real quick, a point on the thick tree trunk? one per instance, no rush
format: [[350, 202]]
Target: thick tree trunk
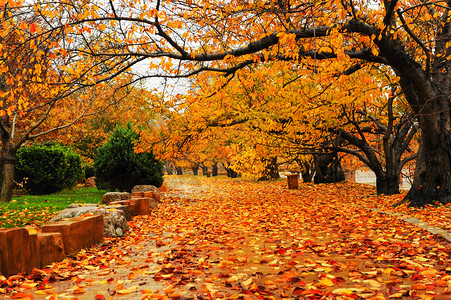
[[387, 185], [231, 173], [328, 169], [7, 175], [307, 169], [432, 179], [214, 169]]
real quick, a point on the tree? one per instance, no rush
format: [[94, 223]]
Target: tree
[[42, 89], [118, 166], [411, 38], [117, 106]]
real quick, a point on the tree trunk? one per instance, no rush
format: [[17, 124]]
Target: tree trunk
[[432, 179], [307, 168], [214, 169], [7, 176], [195, 169], [231, 173], [328, 169], [204, 170], [271, 169], [387, 185], [307, 176], [168, 168], [179, 170]]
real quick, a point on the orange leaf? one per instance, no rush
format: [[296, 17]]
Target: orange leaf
[[79, 291], [32, 28], [419, 286]]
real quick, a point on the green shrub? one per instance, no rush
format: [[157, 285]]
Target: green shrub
[[89, 171], [46, 169], [117, 166]]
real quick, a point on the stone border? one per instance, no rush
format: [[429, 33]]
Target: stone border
[[24, 248]]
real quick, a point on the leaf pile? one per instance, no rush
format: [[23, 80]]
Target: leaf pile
[[234, 239]]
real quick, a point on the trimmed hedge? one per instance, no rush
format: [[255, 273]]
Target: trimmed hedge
[[47, 169], [118, 167]]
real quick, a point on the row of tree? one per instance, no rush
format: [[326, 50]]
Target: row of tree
[[273, 111]]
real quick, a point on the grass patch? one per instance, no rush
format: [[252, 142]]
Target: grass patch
[[37, 210]]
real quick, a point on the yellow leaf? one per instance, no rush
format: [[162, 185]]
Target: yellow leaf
[[124, 292], [341, 292], [326, 282], [389, 271]]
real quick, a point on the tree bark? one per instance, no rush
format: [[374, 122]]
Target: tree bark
[[179, 170], [195, 169], [387, 185], [328, 169], [204, 170], [168, 167], [8, 161], [214, 169], [307, 168], [432, 179]]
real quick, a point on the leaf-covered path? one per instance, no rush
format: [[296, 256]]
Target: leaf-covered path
[[216, 238]]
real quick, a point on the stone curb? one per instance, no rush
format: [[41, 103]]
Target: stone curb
[[417, 222], [414, 221]]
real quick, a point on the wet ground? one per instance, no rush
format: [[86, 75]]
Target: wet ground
[[232, 239]]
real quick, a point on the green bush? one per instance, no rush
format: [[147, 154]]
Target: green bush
[[89, 171], [46, 169], [118, 167]]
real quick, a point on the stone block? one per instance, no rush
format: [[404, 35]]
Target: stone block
[[124, 209], [149, 194], [143, 205], [78, 232], [50, 248], [133, 207], [137, 194], [16, 254], [114, 196], [121, 202]]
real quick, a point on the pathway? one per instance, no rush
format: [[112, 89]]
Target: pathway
[[231, 239]]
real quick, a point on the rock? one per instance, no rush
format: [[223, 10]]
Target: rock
[[50, 247], [112, 218], [17, 252], [90, 182], [146, 188], [78, 232], [123, 206], [115, 196], [119, 232], [143, 205]]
